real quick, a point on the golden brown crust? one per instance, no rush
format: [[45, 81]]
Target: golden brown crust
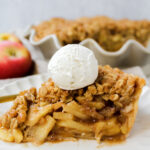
[[109, 33], [106, 109]]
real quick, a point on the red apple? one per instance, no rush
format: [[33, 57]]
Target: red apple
[[8, 37], [15, 60]]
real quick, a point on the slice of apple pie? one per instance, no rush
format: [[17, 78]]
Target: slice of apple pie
[[105, 110]]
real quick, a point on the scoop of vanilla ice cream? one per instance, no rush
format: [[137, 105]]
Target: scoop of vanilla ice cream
[[73, 67]]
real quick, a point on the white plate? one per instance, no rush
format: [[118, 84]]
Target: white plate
[[138, 139]]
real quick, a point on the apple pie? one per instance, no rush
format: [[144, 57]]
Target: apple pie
[[109, 33], [104, 110]]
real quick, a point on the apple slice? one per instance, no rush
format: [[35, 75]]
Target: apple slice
[[15, 60]]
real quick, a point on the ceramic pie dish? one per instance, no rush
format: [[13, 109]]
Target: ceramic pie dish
[[132, 53]]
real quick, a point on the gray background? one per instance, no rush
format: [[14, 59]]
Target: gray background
[[20, 13]]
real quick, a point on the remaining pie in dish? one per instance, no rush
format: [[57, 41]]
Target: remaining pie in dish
[[105, 110], [109, 33]]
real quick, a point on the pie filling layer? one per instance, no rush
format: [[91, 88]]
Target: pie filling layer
[[105, 110]]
